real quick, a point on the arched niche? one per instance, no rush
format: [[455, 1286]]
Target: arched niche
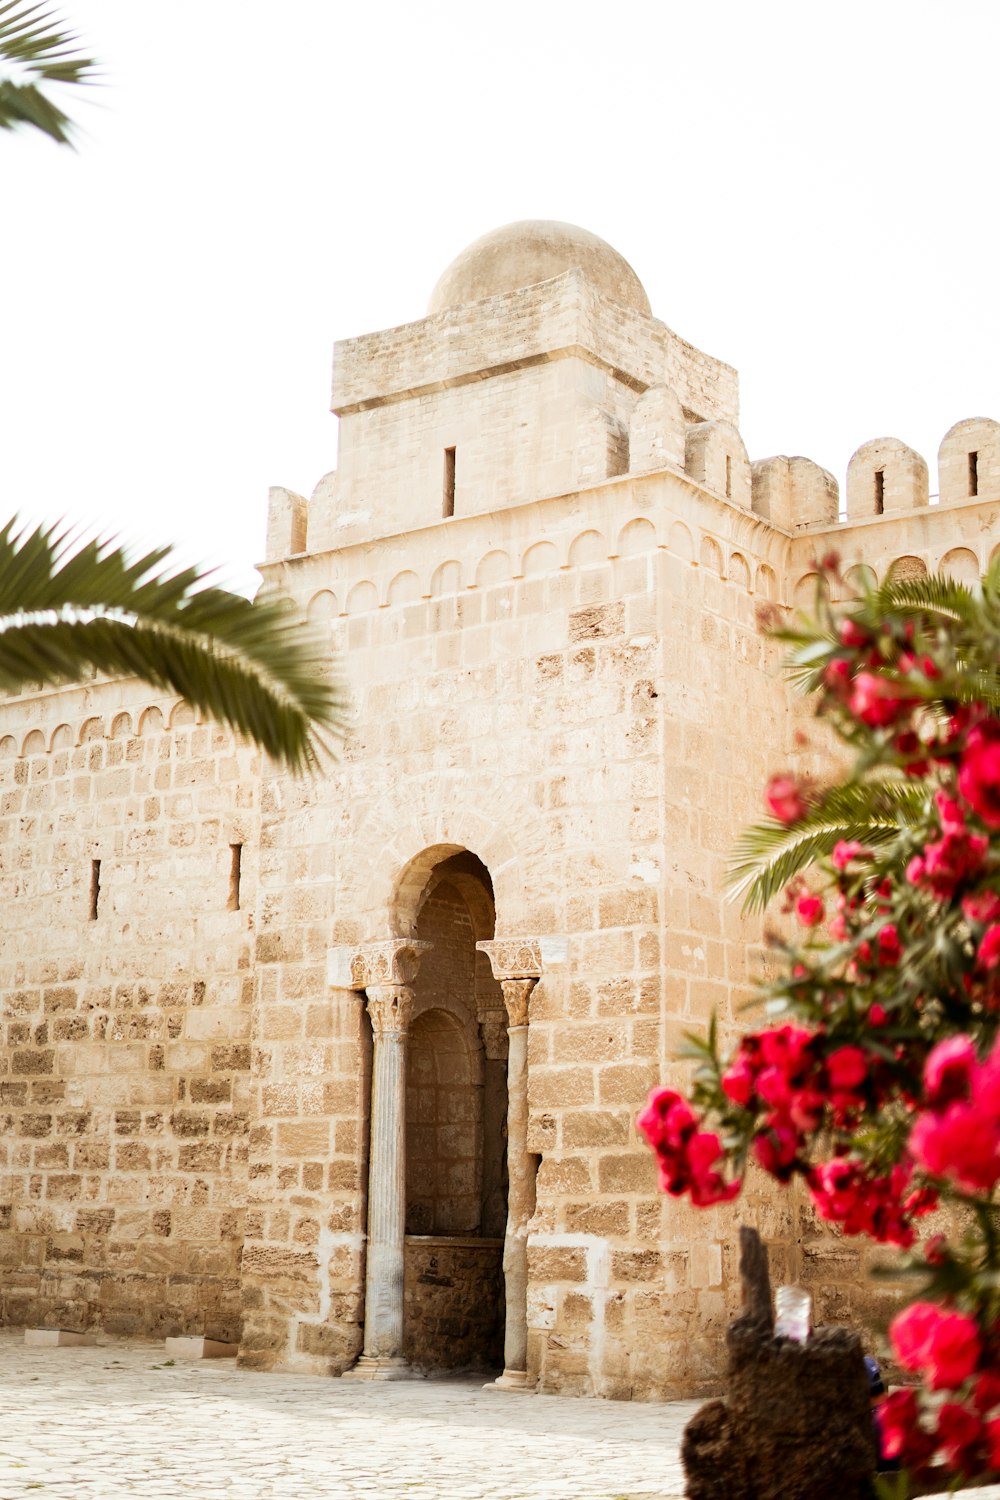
[[636, 538], [542, 557], [680, 542], [767, 582], [446, 579], [739, 571], [151, 721], [34, 743], [322, 607], [960, 563], [906, 569], [363, 597], [587, 549], [493, 568], [121, 726], [62, 738], [404, 588], [711, 556]]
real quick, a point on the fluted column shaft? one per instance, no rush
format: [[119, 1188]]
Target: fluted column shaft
[[390, 1007], [520, 1188]]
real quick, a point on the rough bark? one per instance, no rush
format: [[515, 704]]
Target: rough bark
[[796, 1422]]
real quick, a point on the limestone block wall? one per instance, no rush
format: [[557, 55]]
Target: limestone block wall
[[124, 1013], [575, 690], [545, 363]]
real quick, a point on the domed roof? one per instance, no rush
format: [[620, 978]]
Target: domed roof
[[533, 250]]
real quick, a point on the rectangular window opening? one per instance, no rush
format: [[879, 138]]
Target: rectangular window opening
[[729, 477], [235, 863], [95, 887], [879, 492], [448, 506], [973, 473]]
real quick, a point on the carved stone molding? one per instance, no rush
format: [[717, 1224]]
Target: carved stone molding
[[390, 1007], [493, 1024], [356, 966], [516, 994], [514, 958]]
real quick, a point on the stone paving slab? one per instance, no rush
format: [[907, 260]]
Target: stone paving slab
[[117, 1420]]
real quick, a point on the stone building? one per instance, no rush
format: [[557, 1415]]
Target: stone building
[[345, 1069]]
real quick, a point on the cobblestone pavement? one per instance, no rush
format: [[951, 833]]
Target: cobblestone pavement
[[116, 1420]]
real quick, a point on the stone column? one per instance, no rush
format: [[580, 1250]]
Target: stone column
[[390, 1007], [520, 1188], [516, 963], [384, 970]]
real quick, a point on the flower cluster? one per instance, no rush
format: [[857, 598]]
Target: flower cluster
[[957, 1136], [847, 1191], [687, 1156], [878, 1078], [946, 1348]]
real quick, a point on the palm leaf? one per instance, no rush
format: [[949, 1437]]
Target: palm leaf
[[255, 667], [771, 854], [40, 52]]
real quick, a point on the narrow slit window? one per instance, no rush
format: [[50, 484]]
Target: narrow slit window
[[448, 506], [95, 887], [235, 865], [973, 473], [729, 477], [879, 491]]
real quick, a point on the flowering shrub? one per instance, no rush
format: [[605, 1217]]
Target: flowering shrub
[[878, 1080]]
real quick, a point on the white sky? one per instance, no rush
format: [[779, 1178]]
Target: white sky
[[807, 190]]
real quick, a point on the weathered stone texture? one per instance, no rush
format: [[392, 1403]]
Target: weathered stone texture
[[564, 711]]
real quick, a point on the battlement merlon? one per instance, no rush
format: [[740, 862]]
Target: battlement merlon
[[564, 317]]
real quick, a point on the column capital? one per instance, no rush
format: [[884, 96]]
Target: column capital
[[493, 1024], [390, 1007], [516, 994], [355, 966], [514, 958]]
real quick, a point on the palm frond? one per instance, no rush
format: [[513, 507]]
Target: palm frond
[[937, 594], [254, 667], [40, 51], [771, 854]]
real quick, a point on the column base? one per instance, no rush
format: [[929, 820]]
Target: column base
[[511, 1380], [380, 1367]]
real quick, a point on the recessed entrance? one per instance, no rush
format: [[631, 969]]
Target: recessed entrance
[[456, 1109]]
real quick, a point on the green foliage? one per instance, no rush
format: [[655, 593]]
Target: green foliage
[[42, 53], [68, 609]]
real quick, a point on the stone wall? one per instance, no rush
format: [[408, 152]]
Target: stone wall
[[126, 988]]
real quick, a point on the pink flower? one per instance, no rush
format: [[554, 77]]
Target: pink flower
[[776, 1150], [962, 1143], [948, 1071], [738, 1080], [686, 1155], [989, 948], [844, 850], [847, 1067], [878, 1015], [785, 800], [889, 947], [958, 1433], [981, 906], [942, 1345], [899, 1429], [853, 635], [979, 771], [810, 911], [877, 701]]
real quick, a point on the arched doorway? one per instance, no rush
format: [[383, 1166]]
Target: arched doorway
[[456, 1110]]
